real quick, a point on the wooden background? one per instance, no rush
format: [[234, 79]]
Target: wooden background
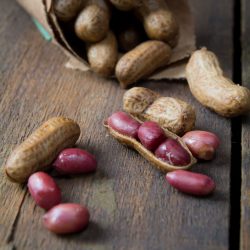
[[131, 205]]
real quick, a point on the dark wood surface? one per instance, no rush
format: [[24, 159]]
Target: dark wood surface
[[131, 205], [245, 189]]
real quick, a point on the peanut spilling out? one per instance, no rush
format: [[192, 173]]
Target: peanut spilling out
[[202, 144], [151, 135], [191, 183], [124, 124], [66, 10], [92, 23], [212, 89], [44, 190], [159, 22], [170, 113], [39, 150], [75, 161], [141, 61], [103, 55], [173, 153], [66, 218]]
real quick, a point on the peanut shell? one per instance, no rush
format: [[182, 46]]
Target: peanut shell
[[140, 62], [170, 113], [148, 155], [212, 89], [39, 150]]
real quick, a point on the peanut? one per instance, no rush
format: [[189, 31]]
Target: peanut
[[191, 183], [125, 5], [44, 190], [66, 10], [129, 38], [202, 144], [142, 61], [159, 22], [125, 129], [151, 135], [103, 55], [92, 24], [75, 161], [170, 113], [66, 218], [124, 124], [171, 151], [39, 150], [212, 89]]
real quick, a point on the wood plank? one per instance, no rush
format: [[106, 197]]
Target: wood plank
[[131, 205], [245, 187]]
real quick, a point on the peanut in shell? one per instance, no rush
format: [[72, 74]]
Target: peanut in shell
[[212, 89], [39, 150], [170, 113]]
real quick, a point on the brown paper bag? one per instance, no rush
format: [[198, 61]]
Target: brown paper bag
[[42, 11]]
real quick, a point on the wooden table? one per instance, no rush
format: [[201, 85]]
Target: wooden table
[[131, 205]]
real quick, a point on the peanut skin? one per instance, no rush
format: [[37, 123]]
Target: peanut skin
[[142, 61], [170, 113], [92, 24], [212, 89], [39, 150], [66, 10], [159, 22], [103, 55], [202, 144], [66, 218], [44, 190], [191, 183], [125, 130], [75, 161], [126, 5]]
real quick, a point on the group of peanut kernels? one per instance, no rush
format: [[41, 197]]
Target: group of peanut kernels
[[145, 30], [151, 124]]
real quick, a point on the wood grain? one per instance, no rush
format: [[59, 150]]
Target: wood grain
[[245, 188], [131, 205]]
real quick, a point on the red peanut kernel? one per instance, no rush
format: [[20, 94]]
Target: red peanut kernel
[[151, 135], [173, 153], [191, 183], [66, 218], [44, 190], [202, 144], [75, 161], [124, 124]]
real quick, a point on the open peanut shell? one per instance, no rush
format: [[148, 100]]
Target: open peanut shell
[[148, 155], [42, 10]]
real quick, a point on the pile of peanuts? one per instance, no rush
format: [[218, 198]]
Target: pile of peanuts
[[144, 30], [159, 128]]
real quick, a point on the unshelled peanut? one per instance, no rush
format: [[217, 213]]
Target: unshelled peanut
[[39, 150], [142, 61], [103, 55], [212, 89]]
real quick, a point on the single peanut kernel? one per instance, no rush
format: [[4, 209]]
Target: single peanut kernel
[[173, 153], [151, 135], [66, 218], [75, 161], [44, 190], [124, 124], [202, 144], [191, 183]]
